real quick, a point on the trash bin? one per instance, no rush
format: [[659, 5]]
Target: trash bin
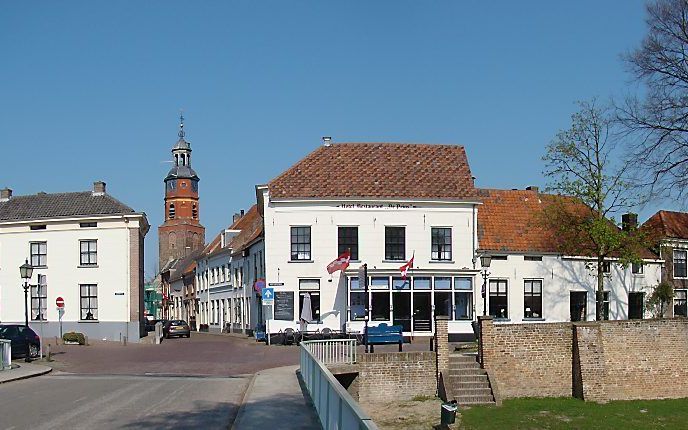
[[448, 415]]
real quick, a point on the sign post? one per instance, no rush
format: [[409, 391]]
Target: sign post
[[59, 302], [268, 299], [363, 277]]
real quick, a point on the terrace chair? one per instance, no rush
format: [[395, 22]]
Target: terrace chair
[[289, 336]]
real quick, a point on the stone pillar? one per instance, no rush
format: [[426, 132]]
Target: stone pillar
[[442, 344], [485, 329]]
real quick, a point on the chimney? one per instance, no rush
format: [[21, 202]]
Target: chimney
[[5, 194], [98, 188], [242, 213], [629, 221], [235, 218], [327, 141], [533, 188]]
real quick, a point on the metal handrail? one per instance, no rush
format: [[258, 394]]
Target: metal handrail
[[6, 354], [332, 351], [335, 407]]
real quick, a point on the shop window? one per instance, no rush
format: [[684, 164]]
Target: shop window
[[443, 303], [421, 283], [312, 288], [379, 306], [463, 299]]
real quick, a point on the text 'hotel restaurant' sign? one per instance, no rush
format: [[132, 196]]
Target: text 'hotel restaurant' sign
[[395, 206]]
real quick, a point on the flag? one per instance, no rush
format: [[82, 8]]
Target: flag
[[341, 263], [404, 269]]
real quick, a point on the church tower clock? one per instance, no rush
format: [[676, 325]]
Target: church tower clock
[[181, 233]]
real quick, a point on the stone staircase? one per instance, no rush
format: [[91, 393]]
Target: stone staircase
[[467, 382]]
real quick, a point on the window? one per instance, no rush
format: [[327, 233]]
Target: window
[[89, 301], [348, 239], [38, 227], [498, 299], [88, 224], [357, 300], [578, 305], [637, 268], [300, 243], [39, 299], [532, 257], [463, 299], [194, 211], [89, 252], [532, 304], [635, 306], [379, 283], [443, 299], [421, 283], [499, 257], [39, 254], [194, 184], [379, 306], [680, 263], [605, 306], [395, 243], [310, 287], [606, 267], [172, 212], [680, 303], [441, 243]]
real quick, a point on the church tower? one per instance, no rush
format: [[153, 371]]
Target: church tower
[[182, 232]]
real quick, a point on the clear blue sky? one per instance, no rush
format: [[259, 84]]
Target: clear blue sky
[[92, 90]]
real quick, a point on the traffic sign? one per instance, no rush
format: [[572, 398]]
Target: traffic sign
[[59, 302], [268, 295]]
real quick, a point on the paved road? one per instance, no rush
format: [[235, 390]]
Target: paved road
[[122, 402]]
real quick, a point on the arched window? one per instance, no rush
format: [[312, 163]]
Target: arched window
[[194, 211], [171, 212]]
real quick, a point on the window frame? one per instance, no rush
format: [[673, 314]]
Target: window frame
[[685, 263], [395, 245], [88, 253], [533, 297], [349, 242], [683, 301], [38, 255], [306, 244], [91, 297], [314, 293], [39, 295], [441, 251], [505, 294]]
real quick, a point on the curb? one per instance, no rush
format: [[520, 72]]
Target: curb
[[19, 378], [242, 406]]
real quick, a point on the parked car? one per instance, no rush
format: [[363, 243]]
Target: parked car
[[176, 328], [20, 335]]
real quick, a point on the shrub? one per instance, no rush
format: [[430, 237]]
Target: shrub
[[659, 300], [74, 337]]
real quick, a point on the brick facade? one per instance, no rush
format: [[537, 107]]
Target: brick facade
[[395, 376], [596, 361]]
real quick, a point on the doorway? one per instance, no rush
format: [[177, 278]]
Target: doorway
[[578, 303], [401, 310], [635, 306], [422, 311]]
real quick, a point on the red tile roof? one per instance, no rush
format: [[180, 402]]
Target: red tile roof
[[251, 226], [511, 221], [378, 170], [669, 224]]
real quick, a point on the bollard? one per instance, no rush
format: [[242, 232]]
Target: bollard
[[125, 340], [85, 340], [56, 341], [49, 355]]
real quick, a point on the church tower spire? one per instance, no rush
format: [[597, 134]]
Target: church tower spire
[[181, 232]]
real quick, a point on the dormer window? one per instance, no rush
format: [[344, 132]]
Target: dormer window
[[171, 211]]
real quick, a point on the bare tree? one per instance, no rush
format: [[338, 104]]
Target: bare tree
[[659, 119], [582, 166]]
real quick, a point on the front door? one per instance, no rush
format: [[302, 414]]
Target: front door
[[401, 310], [578, 305], [422, 311], [635, 306]]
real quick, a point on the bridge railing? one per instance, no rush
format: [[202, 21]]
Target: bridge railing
[[332, 351]]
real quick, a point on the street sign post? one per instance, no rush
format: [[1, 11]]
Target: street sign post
[[268, 295], [363, 277], [268, 299], [59, 302]]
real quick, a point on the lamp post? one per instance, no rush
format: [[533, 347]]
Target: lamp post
[[26, 270], [485, 261]]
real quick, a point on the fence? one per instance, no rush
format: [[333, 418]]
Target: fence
[[336, 409], [6, 349], [333, 351]]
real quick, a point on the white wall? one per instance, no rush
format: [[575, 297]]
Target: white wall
[[64, 274]]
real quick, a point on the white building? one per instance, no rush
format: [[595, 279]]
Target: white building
[[86, 247], [388, 203], [227, 274]]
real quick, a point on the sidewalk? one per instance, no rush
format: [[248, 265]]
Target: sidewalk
[[274, 400], [22, 371]]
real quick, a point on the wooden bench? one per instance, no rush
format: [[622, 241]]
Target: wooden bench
[[384, 334]]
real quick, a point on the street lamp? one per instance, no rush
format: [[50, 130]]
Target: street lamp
[[26, 270], [485, 261]]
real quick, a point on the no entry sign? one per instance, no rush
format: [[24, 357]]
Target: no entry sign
[[59, 302]]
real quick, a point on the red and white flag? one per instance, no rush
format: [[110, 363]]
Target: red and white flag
[[405, 268], [341, 263]]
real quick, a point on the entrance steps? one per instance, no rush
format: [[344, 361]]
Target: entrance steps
[[467, 382]]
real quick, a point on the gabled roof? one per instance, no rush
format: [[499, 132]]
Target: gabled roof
[[251, 226], [183, 266], [43, 205], [378, 170], [510, 221], [668, 225]]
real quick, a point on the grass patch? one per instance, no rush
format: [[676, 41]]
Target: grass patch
[[569, 413]]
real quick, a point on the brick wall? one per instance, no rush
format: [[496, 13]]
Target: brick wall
[[528, 360], [596, 361], [395, 375]]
